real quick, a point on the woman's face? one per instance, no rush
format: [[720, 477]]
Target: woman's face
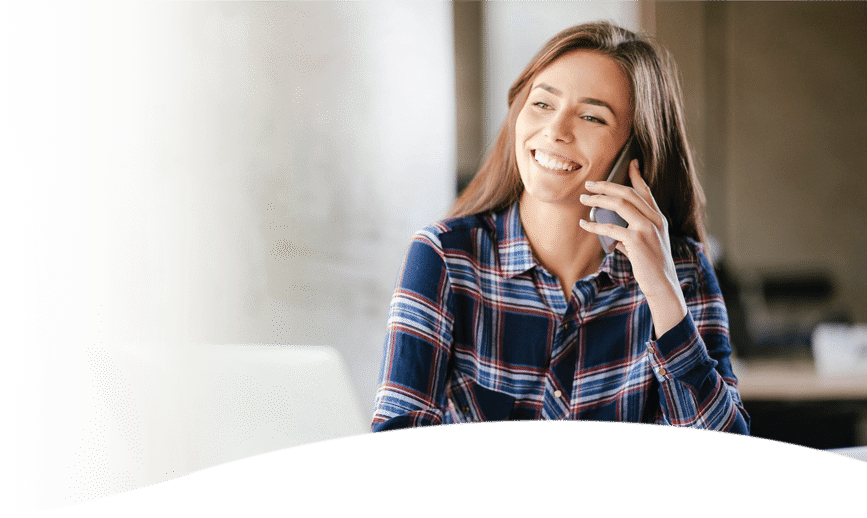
[[576, 118]]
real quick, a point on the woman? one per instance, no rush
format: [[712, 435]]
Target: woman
[[511, 309]]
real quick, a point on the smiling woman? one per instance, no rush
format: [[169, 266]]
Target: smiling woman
[[511, 309], [576, 118], [575, 127]]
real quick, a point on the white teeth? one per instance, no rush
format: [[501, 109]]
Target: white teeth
[[552, 162]]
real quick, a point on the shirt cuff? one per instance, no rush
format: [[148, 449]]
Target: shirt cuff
[[680, 353]]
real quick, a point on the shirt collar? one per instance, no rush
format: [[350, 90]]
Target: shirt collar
[[617, 267], [516, 256]]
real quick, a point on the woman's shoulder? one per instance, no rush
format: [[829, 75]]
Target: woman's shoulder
[[690, 260], [455, 231], [687, 249]]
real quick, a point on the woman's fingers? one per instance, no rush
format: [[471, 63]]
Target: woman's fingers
[[641, 186], [615, 232], [618, 200], [623, 200], [625, 209], [645, 242]]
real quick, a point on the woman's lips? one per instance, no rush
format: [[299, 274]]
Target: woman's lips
[[554, 162]]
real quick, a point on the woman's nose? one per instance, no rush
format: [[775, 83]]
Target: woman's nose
[[559, 127]]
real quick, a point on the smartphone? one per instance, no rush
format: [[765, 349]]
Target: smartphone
[[619, 174]]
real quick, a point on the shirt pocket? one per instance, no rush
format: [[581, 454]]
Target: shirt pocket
[[473, 402]]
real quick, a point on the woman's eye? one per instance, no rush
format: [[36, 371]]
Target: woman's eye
[[592, 119], [540, 104]]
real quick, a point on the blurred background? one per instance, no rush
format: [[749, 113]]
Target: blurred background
[[776, 101], [776, 106], [194, 192]]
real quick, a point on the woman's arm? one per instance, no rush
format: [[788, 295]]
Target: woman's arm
[[692, 362], [645, 242], [418, 341], [690, 355]]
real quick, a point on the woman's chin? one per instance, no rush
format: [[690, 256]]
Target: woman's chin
[[541, 195]]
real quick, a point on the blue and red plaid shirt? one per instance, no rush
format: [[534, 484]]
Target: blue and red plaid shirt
[[478, 331]]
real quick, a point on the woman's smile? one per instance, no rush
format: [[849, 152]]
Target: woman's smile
[[553, 162], [576, 117]]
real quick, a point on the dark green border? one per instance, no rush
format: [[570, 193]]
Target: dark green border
[[512, 469]]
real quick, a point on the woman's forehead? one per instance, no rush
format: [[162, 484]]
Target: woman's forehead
[[584, 65], [586, 74]]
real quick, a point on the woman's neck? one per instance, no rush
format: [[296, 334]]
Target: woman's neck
[[558, 241]]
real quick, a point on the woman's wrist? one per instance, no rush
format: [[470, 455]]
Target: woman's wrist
[[667, 310]]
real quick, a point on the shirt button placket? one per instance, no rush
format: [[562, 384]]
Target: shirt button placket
[[565, 327]]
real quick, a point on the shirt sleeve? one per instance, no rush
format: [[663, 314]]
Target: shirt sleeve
[[417, 342], [692, 362]]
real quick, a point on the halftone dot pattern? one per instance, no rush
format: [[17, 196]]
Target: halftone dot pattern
[[229, 35], [283, 249], [65, 385], [279, 321], [288, 52], [123, 412]]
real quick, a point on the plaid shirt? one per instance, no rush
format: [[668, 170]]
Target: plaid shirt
[[478, 331]]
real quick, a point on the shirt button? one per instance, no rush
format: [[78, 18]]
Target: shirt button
[[566, 326], [465, 409], [661, 371], [557, 393]]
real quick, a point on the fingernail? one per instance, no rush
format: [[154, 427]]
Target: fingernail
[[634, 162], [589, 183], [583, 197], [582, 222]]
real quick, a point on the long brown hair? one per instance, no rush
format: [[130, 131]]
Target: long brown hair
[[658, 125]]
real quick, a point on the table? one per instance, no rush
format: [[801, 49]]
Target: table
[[795, 381], [790, 401]]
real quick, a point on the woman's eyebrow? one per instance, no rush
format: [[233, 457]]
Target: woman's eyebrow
[[585, 100], [549, 88]]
